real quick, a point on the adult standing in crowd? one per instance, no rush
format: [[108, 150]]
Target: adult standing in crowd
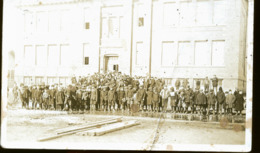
[[215, 83], [239, 103]]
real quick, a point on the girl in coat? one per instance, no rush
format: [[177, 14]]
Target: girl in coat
[[230, 99], [173, 99], [149, 94], [239, 103]]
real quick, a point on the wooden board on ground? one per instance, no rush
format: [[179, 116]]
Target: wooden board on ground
[[93, 124], [109, 128]]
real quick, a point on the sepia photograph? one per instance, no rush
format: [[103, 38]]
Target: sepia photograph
[[166, 75]]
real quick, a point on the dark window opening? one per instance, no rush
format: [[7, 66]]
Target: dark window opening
[[87, 25], [141, 22], [86, 60], [115, 67]]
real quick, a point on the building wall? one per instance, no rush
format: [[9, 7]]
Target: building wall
[[163, 38]]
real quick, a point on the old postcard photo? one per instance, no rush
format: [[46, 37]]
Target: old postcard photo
[[169, 75]]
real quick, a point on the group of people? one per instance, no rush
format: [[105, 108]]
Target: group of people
[[114, 92]]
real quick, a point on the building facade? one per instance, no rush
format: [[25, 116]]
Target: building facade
[[160, 38]]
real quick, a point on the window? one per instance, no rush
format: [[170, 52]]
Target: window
[[170, 14], [53, 55], [186, 12], [104, 28], [139, 54], [27, 80], [86, 54], [113, 27], [185, 54], [218, 50], [203, 12], [39, 80], [54, 21], [87, 15], [65, 20], [219, 14], [202, 53], [115, 67], [42, 21], [65, 55], [28, 22], [140, 22], [41, 53], [52, 80], [168, 54], [86, 60], [87, 25], [29, 56]]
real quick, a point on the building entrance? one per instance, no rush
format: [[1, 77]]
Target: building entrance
[[111, 64]]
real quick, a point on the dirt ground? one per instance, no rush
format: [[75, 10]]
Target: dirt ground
[[27, 126]]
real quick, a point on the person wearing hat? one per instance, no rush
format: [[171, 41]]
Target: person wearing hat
[[60, 98], [104, 98], [149, 95], [230, 101], [188, 96], [220, 101], [38, 97], [239, 103], [156, 99], [173, 99], [129, 96], [33, 96], [165, 95], [45, 98], [111, 99], [93, 98], [140, 96], [23, 96], [201, 101], [52, 93], [211, 101], [181, 102], [121, 98]]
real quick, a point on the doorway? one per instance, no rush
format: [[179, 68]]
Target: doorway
[[111, 64]]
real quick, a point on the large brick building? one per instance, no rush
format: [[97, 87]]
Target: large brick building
[[162, 38]]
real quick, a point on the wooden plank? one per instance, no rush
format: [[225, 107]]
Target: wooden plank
[[69, 129], [80, 129], [110, 128]]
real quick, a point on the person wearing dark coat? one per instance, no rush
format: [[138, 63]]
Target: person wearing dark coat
[[156, 100], [23, 96], [230, 101], [52, 97], [211, 99], [173, 99], [201, 101], [149, 95], [220, 100], [239, 103], [111, 99], [93, 99], [140, 95], [129, 96], [121, 98], [104, 98], [194, 103], [38, 97], [60, 98], [177, 84]]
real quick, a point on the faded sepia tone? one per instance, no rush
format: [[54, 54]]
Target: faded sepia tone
[[189, 53]]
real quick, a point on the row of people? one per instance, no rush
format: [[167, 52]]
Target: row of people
[[122, 97]]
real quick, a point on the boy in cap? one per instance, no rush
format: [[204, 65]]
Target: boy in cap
[[156, 100], [165, 95], [104, 98], [149, 99], [129, 96], [140, 95], [60, 98], [230, 100], [93, 98], [121, 98], [173, 99], [38, 97], [211, 101], [45, 97], [201, 101], [111, 98]]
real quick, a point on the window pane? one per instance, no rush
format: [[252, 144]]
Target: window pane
[[203, 12], [202, 53], [218, 50], [168, 54], [186, 12], [42, 21], [86, 52], [29, 56], [185, 54], [219, 12], [65, 55], [53, 59], [170, 14], [39, 80], [104, 27], [139, 54], [113, 27], [54, 21], [41, 55], [28, 22]]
